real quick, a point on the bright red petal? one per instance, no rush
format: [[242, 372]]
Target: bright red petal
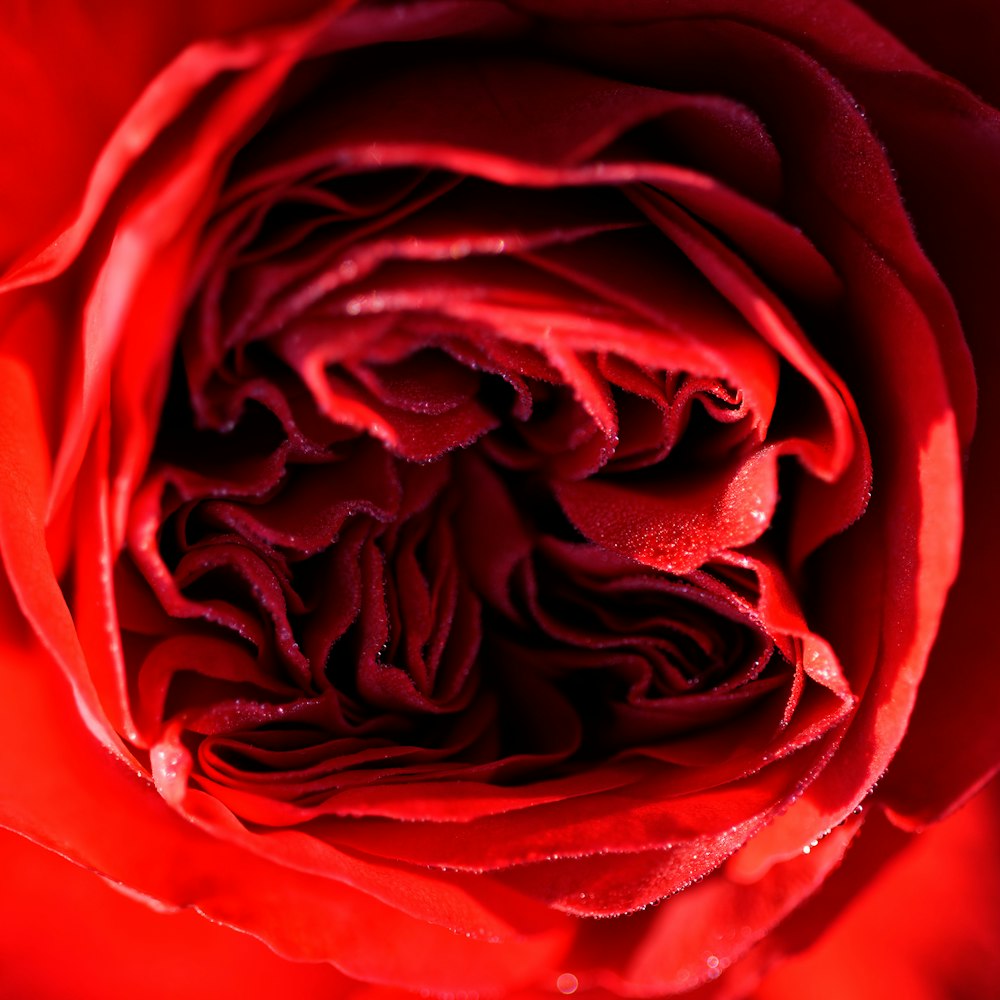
[[924, 928], [71, 72], [66, 932]]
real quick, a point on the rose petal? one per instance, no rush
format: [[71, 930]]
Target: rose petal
[[922, 924], [944, 192], [87, 804], [678, 524], [44, 56], [113, 945]]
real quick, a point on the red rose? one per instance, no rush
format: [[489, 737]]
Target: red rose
[[474, 471]]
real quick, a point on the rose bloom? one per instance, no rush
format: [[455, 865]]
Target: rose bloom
[[480, 482]]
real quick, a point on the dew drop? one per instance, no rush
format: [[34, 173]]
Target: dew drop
[[567, 983]]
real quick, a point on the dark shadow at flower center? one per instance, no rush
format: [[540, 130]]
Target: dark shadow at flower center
[[425, 478]]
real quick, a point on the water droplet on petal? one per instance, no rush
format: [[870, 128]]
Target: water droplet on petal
[[567, 983]]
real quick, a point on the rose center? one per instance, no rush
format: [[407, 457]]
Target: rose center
[[389, 520]]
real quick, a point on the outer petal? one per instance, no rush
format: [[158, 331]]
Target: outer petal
[[81, 801], [945, 715], [75, 70], [66, 932], [952, 197], [924, 927], [965, 48]]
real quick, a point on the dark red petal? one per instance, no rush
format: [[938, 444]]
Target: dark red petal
[[962, 47], [623, 807], [946, 149]]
